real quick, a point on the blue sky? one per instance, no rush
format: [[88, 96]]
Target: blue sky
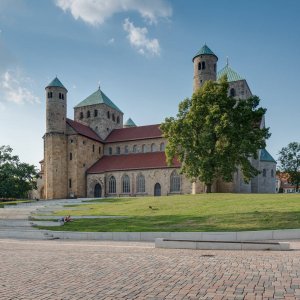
[[141, 53]]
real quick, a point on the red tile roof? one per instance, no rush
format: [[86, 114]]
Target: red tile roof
[[84, 130], [150, 160], [134, 133]]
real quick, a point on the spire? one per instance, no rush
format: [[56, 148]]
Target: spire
[[205, 50], [129, 123], [56, 83]]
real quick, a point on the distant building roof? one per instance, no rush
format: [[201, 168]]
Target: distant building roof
[[139, 161], [231, 74], [129, 123], [134, 133], [205, 50], [266, 156], [56, 83], [84, 130], [98, 97]]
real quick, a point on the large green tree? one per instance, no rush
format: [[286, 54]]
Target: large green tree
[[16, 178], [289, 159], [213, 134]]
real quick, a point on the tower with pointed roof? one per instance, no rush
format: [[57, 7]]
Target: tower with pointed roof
[[55, 141], [205, 67], [100, 113]]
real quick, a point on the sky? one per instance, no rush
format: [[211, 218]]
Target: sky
[[140, 52]]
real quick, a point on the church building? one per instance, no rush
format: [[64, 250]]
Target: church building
[[98, 155]]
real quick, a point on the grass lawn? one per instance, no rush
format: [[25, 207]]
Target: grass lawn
[[204, 212]]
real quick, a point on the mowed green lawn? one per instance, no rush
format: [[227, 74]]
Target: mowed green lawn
[[204, 212]]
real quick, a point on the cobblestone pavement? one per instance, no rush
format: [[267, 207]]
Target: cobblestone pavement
[[126, 270]]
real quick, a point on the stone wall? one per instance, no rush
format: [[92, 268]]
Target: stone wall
[[153, 176], [241, 88], [209, 73], [138, 143], [56, 169], [85, 152], [100, 123]]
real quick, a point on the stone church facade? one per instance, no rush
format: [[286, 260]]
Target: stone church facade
[[96, 155]]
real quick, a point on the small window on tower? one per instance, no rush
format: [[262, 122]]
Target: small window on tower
[[93, 148], [70, 183], [203, 65], [50, 94], [199, 66], [88, 115], [95, 113], [81, 115], [99, 150], [215, 67], [232, 92], [108, 115], [113, 117], [71, 156], [118, 119], [63, 96], [264, 173]]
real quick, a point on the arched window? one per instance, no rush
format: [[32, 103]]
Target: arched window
[[118, 119], [203, 65], [63, 96], [162, 147], [232, 92], [95, 113], [126, 149], [272, 173], [264, 173], [153, 147], [125, 184], [144, 148], [174, 182], [199, 66], [112, 185], [50, 94], [81, 115], [93, 148], [118, 150], [59, 95], [71, 156], [113, 117], [134, 150], [88, 115], [140, 184], [110, 150]]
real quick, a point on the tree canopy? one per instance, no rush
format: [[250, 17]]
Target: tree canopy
[[214, 133], [16, 178], [289, 159]]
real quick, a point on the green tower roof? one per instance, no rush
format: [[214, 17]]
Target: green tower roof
[[130, 123], [55, 83], [266, 156], [205, 51], [231, 74], [98, 97]]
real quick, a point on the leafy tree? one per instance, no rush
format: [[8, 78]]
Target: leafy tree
[[214, 133], [16, 178], [289, 159]]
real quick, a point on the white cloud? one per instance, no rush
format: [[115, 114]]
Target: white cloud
[[96, 12], [13, 88], [137, 37]]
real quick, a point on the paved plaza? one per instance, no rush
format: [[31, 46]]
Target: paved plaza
[[126, 270]]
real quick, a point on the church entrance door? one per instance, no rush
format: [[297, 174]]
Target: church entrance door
[[97, 191], [157, 189]]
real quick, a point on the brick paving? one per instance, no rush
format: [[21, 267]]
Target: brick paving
[[126, 270]]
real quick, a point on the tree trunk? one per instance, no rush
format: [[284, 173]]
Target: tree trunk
[[208, 188]]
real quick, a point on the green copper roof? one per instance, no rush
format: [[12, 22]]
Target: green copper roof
[[231, 75], [55, 83], [97, 98], [266, 156], [204, 51], [129, 123]]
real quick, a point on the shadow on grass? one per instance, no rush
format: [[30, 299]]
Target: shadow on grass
[[174, 223]]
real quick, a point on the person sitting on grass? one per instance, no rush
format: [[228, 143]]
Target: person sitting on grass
[[68, 219]]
